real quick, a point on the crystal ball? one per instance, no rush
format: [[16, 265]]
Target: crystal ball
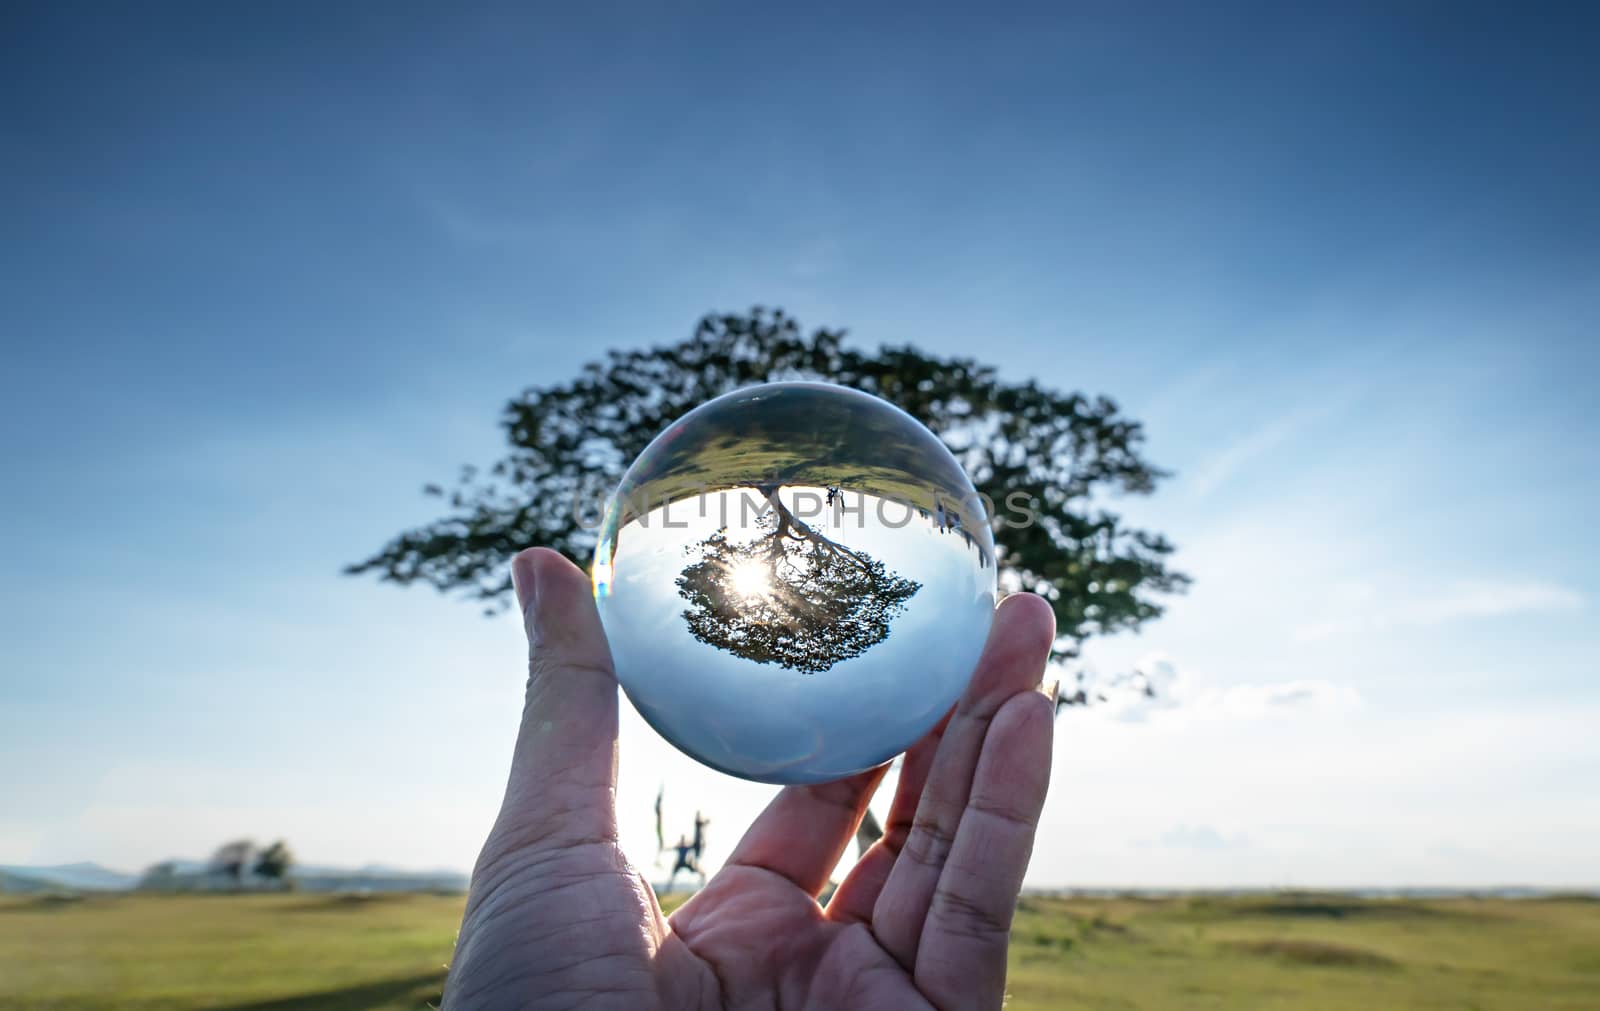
[[796, 580]]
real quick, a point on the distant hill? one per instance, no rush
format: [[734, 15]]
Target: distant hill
[[79, 877], [17, 884]]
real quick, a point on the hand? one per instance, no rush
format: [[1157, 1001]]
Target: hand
[[557, 918]]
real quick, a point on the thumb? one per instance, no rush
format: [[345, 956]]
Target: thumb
[[563, 771]]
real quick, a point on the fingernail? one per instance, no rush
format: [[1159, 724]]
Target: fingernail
[[1051, 688]]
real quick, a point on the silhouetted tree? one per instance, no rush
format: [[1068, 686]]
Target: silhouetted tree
[[233, 859], [789, 596], [274, 862], [159, 877], [1057, 455]]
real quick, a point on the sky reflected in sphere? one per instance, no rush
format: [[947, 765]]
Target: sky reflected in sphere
[[796, 580]]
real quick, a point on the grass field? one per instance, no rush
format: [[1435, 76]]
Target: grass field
[[384, 953]]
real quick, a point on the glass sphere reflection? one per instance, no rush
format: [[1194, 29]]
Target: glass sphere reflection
[[796, 580]]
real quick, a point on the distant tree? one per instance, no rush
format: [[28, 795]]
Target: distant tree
[[1056, 455], [233, 859], [273, 863], [159, 877]]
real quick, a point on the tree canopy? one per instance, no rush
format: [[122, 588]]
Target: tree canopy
[[274, 861], [233, 859], [1048, 461]]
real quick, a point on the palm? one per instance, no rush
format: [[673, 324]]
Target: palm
[[770, 944], [557, 917]]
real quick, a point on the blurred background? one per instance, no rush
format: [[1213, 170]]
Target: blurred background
[[267, 270]]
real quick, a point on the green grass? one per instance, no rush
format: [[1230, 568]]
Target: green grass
[[1306, 952], [242, 953], [347, 953]]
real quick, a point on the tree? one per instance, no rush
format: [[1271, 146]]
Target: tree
[[233, 859], [795, 598], [1052, 457], [159, 877], [274, 862]]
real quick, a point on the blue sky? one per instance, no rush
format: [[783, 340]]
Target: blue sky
[[267, 271]]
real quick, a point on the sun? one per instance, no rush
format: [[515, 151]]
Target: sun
[[749, 579]]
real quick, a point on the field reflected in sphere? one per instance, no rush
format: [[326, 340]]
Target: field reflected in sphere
[[796, 580]]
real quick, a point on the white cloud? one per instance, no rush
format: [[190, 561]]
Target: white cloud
[[1303, 694], [1373, 796], [1179, 690]]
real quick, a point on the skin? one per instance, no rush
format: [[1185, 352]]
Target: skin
[[557, 918]]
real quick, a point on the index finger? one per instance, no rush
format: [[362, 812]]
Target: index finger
[[563, 770]]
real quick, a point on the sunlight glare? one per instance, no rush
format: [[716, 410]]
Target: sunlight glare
[[749, 579]]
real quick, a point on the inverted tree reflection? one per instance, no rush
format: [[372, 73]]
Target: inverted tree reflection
[[789, 596]]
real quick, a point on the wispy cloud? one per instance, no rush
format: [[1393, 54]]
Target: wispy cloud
[[1453, 602], [1491, 599], [1216, 470], [470, 227], [1253, 447]]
